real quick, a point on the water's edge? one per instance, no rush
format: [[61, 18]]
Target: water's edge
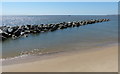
[[33, 58], [69, 39]]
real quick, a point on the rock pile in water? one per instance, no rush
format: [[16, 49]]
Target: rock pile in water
[[18, 31]]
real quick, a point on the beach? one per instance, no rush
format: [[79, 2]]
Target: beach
[[98, 59], [72, 38], [59, 37]]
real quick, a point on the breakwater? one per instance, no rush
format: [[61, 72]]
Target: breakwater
[[15, 32]]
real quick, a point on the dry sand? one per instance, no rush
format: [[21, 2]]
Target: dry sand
[[102, 59]]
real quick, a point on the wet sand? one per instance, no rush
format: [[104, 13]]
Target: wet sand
[[100, 59]]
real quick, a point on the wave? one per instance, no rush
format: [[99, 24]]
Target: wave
[[34, 52]]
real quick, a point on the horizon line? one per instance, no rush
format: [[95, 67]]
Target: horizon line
[[59, 14]]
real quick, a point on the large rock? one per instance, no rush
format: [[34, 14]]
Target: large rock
[[18, 31]]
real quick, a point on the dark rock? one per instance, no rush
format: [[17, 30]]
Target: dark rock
[[18, 31]]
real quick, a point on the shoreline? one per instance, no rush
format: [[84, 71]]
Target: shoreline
[[100, 60], [103, 44], [36, 57]]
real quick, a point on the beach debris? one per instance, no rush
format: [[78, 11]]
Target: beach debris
[[15, 32]]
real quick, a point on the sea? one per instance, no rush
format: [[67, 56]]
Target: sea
[[70, 39]]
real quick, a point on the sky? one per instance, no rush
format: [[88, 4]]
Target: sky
[[60, 0], [59, 8]]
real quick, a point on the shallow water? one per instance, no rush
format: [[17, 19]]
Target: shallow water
[[61, 40]]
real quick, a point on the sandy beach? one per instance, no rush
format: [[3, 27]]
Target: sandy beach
[[59, 37], [102, 59]]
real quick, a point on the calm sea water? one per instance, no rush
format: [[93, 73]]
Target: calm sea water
[[77, 38]]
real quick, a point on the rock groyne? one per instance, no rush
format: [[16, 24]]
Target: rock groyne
[[24, 30]]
